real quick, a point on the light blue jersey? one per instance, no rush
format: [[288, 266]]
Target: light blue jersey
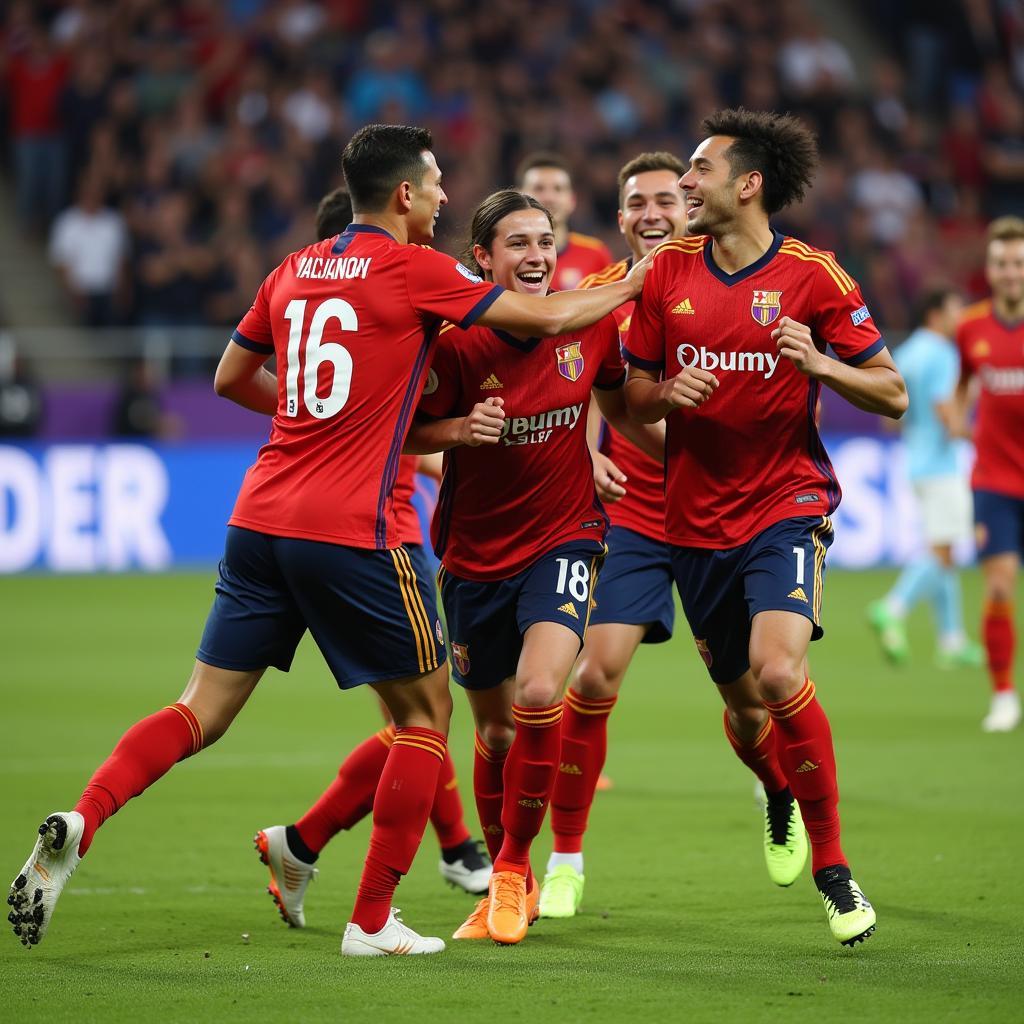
[[930, 366]]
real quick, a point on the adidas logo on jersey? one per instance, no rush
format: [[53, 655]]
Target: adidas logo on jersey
[[684, 307], [798, 594], [570, 609], [807, 766], [491, 383]]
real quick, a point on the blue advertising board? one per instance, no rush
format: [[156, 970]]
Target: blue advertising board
[[139, 507]]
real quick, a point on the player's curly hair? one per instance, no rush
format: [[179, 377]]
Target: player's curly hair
[[780, 146], [378, 158], [489, 214], [644, 162]]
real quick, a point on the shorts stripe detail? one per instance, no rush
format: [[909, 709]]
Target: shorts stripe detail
[[485, 752], [819, 564], [537, 718], [589, 705], [419, 610], [403, 586], [386, 736], [791, 707], [423, 739], [194, 725], [595, 568]]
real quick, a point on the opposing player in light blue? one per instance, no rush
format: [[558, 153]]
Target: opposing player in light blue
[[930, 365]]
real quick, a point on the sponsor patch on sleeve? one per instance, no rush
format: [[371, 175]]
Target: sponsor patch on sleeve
[[807, 498], [469, 275], [858, 316]]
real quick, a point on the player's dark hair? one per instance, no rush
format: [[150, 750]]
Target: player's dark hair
[[660, 161], [489, 214], [540, 159], [334, 214], [932, 301], [780, 146], [378, 158], [1005, 229]]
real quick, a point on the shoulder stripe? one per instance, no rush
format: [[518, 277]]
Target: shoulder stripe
[[976, 311], [829, 266], [793, 245], [613, 272]]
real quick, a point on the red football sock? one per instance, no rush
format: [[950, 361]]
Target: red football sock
[[446, 814], [761, 756], [1000, 640], [349, 798], [530, 770], [489, 789], [809, 761], [142, 755], [583, 750], [400, 811]]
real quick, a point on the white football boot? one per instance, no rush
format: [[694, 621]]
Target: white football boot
[[470, 868], [395, 939], [289, 876], [1004, 712], [40, 882]]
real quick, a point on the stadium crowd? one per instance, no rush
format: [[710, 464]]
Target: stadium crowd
[[174, 152]]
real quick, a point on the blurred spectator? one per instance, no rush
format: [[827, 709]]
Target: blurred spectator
[[888, 195], [138, 410], [35, 77], [89, 246], [21, 399]]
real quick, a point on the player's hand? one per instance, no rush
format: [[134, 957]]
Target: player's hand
[[483, 424], [794, 342], [690, 388], [608, 478], [637, 273]]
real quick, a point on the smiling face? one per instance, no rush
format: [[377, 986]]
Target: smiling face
[[426, 200], [651, 210], [1004, 268], [712, 192], [521, 256]]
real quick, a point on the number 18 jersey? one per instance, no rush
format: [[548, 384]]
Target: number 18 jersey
[[352, 322]]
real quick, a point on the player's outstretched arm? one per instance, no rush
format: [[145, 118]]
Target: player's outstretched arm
[[649, 399], [874, 386], [548, 316], [482, 425], [648, 437], [242, 377]]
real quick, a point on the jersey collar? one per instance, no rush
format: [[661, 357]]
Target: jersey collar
[[741, 275], [358, 229], [510, 339]]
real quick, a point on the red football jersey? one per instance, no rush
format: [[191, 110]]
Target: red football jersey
[[993, 351], [408, 519], [352, 322], [503, 506], [643, 507], [751, 456], [581, 256]]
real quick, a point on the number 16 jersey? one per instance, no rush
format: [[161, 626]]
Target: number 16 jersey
[[352, 322]]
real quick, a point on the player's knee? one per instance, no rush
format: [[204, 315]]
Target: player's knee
[[538, 691], [999, 589], [596, 681], [497, 735], [779, 679]]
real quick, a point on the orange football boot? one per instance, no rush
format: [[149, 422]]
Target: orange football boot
[[507, 918], [475, 926]]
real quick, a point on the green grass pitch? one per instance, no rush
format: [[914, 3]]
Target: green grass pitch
[[679, 922]]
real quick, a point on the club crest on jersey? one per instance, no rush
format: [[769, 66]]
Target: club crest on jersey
[[766, 307], [460, 655], [570, 360]]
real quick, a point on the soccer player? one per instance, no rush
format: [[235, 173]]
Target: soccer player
[[520, 534], [930, 366], [991, 342], [545, 176], [634, 603], [749, 488], [290, 852], [312, 542]]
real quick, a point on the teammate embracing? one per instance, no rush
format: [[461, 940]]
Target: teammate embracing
[[520, 534], [634, 603], [749, 486]]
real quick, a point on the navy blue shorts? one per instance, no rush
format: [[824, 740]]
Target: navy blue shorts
[[998, 524], [781, 569], [487, 621], [373, 614], [636, 585]]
